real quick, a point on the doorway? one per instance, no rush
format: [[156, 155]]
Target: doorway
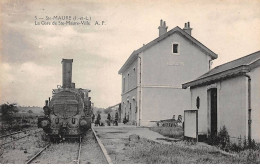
[[213, 116]]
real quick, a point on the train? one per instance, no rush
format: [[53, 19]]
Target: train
[[67, 115]]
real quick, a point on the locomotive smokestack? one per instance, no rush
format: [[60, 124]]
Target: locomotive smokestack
[[46, 102], [66, 73], [73, 85]]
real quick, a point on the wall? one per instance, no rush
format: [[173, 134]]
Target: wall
[[163, 103], [131, 81], [163, 73], [130, 97], [231, 106], [162, 67], [255, 80], [200, 92]]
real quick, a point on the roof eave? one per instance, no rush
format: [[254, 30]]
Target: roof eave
[[130, 59], [199, 44], [216, 77]]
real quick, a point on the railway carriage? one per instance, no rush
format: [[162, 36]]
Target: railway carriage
[[68, 113]]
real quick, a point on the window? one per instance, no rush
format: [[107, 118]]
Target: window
[[175, 48]]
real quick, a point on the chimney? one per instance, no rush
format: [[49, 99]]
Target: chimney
[[187, 28], [66, 73], [162, 28]]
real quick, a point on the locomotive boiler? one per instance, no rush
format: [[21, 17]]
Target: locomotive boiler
[[68, 112]]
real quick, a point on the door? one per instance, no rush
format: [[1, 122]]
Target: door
[[213, 112]]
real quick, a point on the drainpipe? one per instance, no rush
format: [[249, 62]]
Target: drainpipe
[[140, 93], [249, 108]]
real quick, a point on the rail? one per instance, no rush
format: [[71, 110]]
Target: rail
[[17, 138], [108, 159], [37, 154], [14, 133], [78, 158]]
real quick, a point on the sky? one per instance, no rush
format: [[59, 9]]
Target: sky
[[30, 54]]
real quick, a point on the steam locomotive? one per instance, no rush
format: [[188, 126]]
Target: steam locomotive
[[68, 113]]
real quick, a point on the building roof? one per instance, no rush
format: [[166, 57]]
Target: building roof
[[177, 29], [233, 68], [114, 105]]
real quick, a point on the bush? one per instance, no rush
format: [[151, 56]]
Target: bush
[[8, 111], [250, 156], [222, 140]]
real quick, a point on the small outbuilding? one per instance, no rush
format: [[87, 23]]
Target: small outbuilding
[[228, 95]]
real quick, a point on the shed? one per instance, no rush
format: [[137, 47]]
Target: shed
[[228, 95]]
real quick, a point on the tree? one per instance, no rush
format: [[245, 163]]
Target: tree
[[98, 112], [108, 110], [7, 111], [30, 111]]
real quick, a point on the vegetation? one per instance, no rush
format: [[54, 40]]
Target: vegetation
[[99, 112], [222, 140], [30, 111], [7, 111], [173, 132], [146, 151], [247, 151], [13, 118], [107, 110]]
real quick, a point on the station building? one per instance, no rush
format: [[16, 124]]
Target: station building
[[153, 75]]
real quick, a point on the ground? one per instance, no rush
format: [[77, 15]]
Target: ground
[[125, 144], [125, 147], [21, 150]]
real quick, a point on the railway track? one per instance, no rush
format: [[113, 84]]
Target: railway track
[[33, 159], [18, 138], [89, 150], [17, 132], [79, 151], [37, 154], [102, 147]]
